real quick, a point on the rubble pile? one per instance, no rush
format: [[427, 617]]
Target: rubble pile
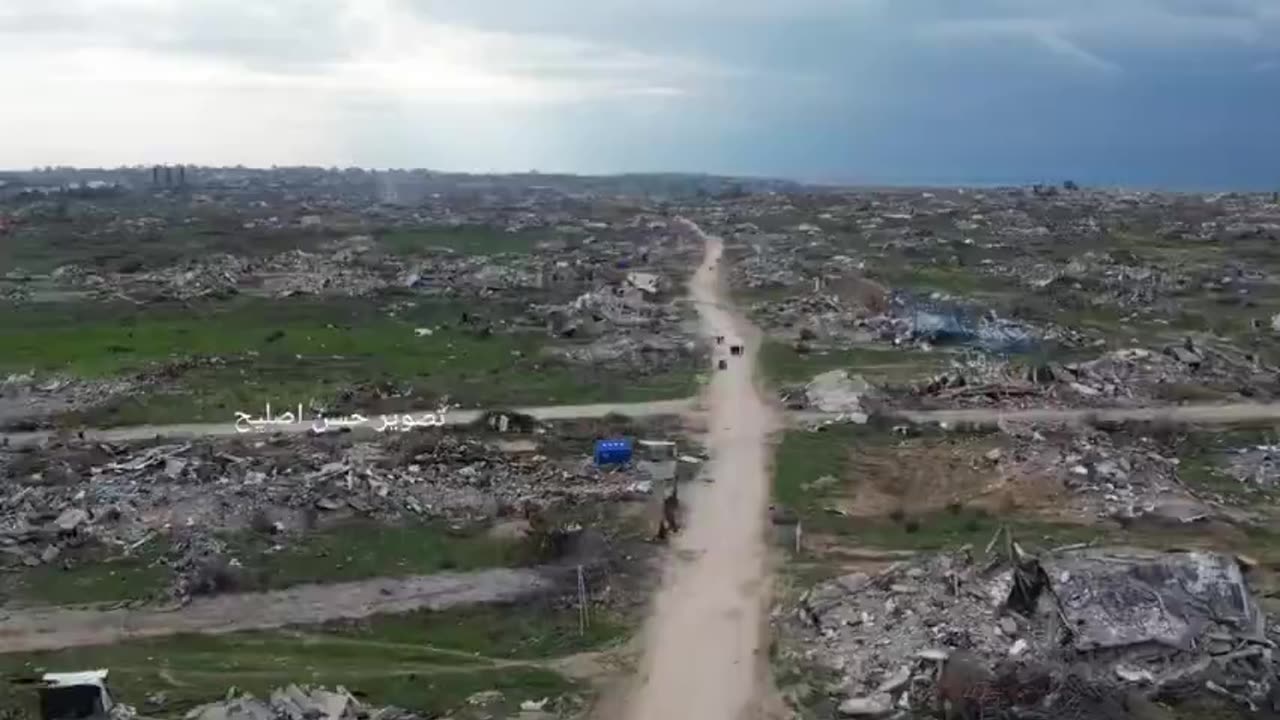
[[1106, 479], [24, 398], [122, 495], [297, 703], [1256, 467], [933, 322], [1119, 378], [1048, 634], [837, 391], [647, 353]]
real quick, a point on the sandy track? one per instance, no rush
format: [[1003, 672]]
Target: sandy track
[[705, 644], [653, 408], [1222, 414], [59, 627]]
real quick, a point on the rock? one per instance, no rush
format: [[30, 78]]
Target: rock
[[1008, 626], [896, 681], [157, 699], [50, 554], [330, 503], [486, 697], [1085, 390], [994, 454], [70, 519], [934, 655], [837, 392], [1132, 674], [825, 482], [853, 582], [534, 705], [1018, 648], [874, 706], [245, 708]]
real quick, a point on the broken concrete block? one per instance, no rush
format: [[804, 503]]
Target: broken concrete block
[[71, 519], [875, 706]]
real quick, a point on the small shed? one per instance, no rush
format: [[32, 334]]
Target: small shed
[[613, 452], [75, 696]]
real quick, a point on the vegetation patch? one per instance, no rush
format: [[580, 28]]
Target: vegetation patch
[[426, 662]]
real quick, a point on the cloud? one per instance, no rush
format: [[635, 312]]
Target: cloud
[[802, 87], [1041, 33], [370, 45]]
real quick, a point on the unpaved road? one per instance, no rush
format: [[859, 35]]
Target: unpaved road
[[1209, 414], [52, 628], [654, 408], [1217, 414], [705, 644]]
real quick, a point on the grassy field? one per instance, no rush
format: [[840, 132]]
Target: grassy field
[[354, 551], [302, 349], [191, 233], [467, 240], [816, 473], [780, 363], [427, 662]]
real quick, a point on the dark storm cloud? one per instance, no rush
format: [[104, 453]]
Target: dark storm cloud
[[1149, 92]]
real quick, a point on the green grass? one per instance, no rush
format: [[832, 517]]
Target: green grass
[[361, 550], [468, 240], [357, 550], [428, 662], [1203, 459], [296, 350], [782, 364], [492, 632], [803, 457], [42, 247], [947, 529], [95, 578], [951, 279]]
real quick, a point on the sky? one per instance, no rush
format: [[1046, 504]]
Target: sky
[[1179, 94]]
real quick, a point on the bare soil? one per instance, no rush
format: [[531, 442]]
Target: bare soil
[[706, 642], [61, 627]]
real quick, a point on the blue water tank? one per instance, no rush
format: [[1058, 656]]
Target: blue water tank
[[613, 452]]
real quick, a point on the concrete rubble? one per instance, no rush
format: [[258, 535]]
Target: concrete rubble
[[1056, 630], [838, 392], [297, 703], [1120, 378], [125, 495]]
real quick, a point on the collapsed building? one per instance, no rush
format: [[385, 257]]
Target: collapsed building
[[1077, 633]]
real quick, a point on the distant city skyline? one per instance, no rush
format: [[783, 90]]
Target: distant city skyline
[[1173, 94]]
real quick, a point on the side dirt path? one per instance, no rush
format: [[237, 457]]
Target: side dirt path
[[705, 644], [652, 408], [58, 627], [1221, 414]]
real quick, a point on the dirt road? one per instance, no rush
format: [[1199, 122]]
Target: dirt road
[[654, 408], [1209, 414], [52, 628], [705, 644]]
